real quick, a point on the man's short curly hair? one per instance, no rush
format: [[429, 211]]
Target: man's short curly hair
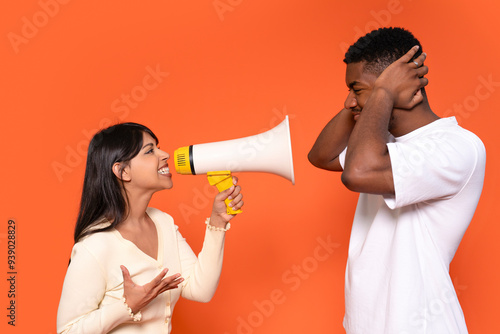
[[381, 47]]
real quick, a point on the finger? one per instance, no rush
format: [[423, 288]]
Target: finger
[[237, 205], [424, 82], [420, 59], [224, 194], [126, 274], [127, 280], [174, 280], [409, 55], [157, 280], [170, 285], [236, 200], [166, 288], [417, 98], [235, 192], [423, 70], [157, 287]]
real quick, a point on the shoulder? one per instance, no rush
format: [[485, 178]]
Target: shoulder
[[441, 147], [443, 138], [472, 139], [453, 140], [95, 244], [447, 129]]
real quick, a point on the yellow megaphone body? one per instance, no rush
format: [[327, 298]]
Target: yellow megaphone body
[[268, 152]]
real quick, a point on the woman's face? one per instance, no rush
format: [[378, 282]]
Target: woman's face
[[148, 170]]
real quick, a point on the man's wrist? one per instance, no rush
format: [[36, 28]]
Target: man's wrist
[[381, 94]]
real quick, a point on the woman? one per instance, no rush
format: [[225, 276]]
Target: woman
[[116, 281]]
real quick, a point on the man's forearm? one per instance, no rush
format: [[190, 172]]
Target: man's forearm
[[369, 137], [332, 140], [367, 154]]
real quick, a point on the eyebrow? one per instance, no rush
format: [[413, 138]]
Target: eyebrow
[[353, 83], [150, 144]]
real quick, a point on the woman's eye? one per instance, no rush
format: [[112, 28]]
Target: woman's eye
[[150, 151]]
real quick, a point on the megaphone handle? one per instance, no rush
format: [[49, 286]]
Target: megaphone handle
[[223, 180]]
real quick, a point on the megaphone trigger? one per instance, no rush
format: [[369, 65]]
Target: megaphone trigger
[[223, 180]]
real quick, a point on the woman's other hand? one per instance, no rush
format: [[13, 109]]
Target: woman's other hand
[[138, 296]]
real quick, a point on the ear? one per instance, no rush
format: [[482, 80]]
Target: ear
[[418, 97], [121, 171]]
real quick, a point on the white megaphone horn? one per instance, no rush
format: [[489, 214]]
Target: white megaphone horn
[[267, 152]]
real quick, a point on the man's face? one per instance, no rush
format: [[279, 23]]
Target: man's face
[[360, 84]]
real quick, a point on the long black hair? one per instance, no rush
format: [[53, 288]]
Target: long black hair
[[102, 196]]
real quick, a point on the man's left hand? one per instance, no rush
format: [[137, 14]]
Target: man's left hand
[[403, 80]]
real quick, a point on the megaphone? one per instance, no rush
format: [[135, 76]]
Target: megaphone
[[267, 152]]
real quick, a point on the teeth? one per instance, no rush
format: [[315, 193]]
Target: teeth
[[164, 170]]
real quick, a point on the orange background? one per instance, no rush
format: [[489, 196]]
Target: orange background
[[235, 68]]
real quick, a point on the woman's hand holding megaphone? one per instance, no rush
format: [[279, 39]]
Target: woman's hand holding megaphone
[[220, 217]]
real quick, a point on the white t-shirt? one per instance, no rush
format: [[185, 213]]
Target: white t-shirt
[[397, 275]]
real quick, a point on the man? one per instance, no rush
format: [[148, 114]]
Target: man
[[419, 178]]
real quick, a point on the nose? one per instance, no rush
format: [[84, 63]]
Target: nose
[[350, 102], [164, 155]]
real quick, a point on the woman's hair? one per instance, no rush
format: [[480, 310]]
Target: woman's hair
[[103, 197]]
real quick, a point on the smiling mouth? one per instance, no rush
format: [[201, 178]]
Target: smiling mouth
[[164, 170]]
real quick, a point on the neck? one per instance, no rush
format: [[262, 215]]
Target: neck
[[136, 209], [406, 121]]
